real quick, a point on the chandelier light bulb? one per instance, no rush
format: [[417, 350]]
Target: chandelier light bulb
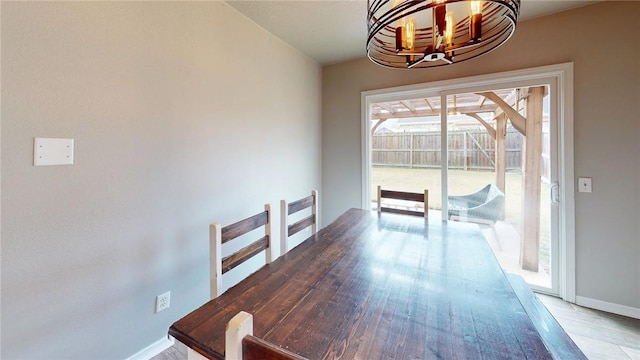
[[448, 32], [410, 33], [475, 7], [475, 21]]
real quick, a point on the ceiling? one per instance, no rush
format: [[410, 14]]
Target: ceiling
[[335, 31]]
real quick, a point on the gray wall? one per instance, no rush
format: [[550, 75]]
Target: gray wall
[[600, 40], [175, 124]]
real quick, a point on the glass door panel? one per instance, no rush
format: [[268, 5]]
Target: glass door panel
[[499, 179], [406, 150]]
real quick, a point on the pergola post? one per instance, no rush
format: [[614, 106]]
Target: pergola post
[[501, 157], [531, 180]]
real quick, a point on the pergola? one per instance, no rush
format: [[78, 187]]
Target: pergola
[[523, 108]]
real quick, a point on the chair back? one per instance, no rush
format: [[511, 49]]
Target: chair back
[[404, 196], [287, 209], [219, 235], [240, 344]]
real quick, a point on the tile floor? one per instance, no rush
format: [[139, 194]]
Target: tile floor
[[598, 334]]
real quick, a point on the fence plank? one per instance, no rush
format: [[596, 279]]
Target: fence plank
[[474, 151]]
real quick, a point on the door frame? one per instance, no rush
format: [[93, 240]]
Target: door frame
[[562, 75]]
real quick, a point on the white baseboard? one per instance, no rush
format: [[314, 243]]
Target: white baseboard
[[608, 307], [153, 349]]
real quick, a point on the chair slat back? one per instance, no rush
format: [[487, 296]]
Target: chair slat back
[[405, 196], [286, 209], [254, 348], [219, 235], [301, 204], [240, 344], [244, 254], [242, 227]]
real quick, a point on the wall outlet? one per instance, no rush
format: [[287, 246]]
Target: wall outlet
[[163, 301]]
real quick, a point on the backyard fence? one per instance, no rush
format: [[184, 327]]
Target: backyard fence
[[472, 149]]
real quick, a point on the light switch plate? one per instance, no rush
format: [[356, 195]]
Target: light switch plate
[[584, 185], [52, 151]]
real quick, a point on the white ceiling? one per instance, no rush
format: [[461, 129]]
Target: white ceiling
[[334, 31]]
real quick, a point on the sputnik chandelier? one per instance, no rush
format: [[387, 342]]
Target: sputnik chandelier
[[427, 33]]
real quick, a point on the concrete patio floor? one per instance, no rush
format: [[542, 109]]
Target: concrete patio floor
[[506, 248]]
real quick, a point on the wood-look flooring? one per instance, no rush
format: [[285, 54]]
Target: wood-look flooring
[[598, 334], [177, 352]]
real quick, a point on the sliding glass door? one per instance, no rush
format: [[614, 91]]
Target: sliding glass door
[[488, 151]]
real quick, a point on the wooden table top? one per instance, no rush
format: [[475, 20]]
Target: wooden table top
[[372, 286]]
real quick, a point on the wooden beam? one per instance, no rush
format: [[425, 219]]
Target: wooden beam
[[490, 129], [531, 180], [455, 104], [517, 120], [408, 105], [482, 150], [375, 127], [386, 107], [436, 112], [501, 158], [512, 98], [482, 100], [429, 104]]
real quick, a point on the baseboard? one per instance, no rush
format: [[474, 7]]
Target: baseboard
[[608, 307], [153, 349]]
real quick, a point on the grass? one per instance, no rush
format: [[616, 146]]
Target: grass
[[465, 182]]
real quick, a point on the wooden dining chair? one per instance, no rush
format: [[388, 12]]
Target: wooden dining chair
[[240, 344], [219, 235], [287, 209], [404, 196]]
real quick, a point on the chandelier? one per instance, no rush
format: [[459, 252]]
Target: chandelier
[[427, 33]]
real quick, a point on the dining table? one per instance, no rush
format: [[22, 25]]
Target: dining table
[[381, 286]]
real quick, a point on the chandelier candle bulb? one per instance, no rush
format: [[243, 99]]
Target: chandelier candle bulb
[[475, 27], [400, 40], [475, 20], [448, 33], [410, 33]]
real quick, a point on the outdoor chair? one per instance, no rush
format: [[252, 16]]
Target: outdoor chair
[[486, 204], [404, 207]]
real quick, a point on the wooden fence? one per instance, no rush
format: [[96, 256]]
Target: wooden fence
[[468, 150]]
